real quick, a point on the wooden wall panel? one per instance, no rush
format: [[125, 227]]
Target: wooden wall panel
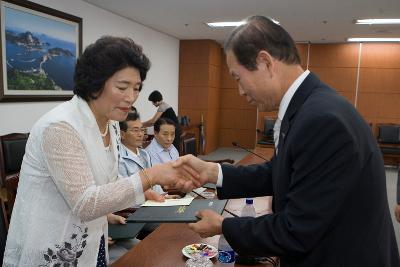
[[334, 55], [194, 51], [215, 54], [238, 118], [379, 91], [381, 55], [303, 51], [214, 98], [381, 107], [226, 79], [193, 96], [214, 76], [245, 138], [199, 82], [193, 74], [206, 86], [212, 129], [231, 99], [235, 113], [379, 80]]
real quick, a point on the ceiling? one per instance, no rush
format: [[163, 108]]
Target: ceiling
[[315, 21]]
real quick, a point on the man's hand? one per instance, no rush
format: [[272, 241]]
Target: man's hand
[[209, 225], [208, 171], [397, 212]]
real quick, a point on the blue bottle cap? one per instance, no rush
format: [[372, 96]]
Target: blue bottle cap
[[249, 201]]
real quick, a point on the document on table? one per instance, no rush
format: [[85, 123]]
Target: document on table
[[185, 201]]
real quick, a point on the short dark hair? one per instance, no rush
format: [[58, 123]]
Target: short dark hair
[[132, 116], [103, 59], [155, 96], [162, 121], [261, 33]]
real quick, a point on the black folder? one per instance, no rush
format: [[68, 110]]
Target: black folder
[[124, 231], [177, 214]]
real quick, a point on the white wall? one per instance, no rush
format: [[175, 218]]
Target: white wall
[[163, 51]]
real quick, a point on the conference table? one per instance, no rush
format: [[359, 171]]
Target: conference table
[[163, 247]]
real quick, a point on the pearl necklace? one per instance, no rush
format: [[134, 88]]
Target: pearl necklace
[[106, 131]]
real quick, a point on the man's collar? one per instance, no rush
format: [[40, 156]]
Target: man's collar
[[289, 94], [159, 147]]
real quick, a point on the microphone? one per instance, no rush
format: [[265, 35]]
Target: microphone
[[239, 146]]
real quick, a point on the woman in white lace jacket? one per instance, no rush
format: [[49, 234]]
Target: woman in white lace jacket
[[69, 177]]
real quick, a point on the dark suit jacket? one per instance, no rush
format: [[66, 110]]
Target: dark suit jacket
[[329, 189]]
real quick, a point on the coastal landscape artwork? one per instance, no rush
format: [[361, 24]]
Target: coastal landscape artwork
[[39, 48]]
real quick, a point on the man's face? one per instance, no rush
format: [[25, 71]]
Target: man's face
[[166, 135], [133, 137], [260, 86]]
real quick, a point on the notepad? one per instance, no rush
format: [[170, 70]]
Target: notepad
[[185, 201], [173, 214]]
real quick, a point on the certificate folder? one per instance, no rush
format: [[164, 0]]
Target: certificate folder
[[177, 214], [124, 231]]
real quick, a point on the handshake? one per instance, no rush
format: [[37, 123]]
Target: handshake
[[185, 174]]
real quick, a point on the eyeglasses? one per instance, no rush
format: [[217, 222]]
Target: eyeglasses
[[137, 130]]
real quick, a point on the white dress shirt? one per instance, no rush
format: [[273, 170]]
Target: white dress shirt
[[159, 154]]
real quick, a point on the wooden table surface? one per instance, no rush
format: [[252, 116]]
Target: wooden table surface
[[163, 247]]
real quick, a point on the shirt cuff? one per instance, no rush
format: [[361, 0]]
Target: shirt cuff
[[220, 176], [138, 189]]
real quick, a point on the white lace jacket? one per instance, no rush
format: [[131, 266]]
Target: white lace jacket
[[65, 191]]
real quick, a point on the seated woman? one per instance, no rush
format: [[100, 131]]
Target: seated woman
[[161, 148], [164, 111], [69, 177]]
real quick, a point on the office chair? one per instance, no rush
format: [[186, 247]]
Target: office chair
[[190, 146], [12, 151]]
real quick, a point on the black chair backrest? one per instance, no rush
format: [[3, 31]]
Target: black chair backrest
[[190, 146], [3, 229], [12, 150]]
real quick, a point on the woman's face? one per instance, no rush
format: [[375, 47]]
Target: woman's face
[[166, 135], [119, 93]]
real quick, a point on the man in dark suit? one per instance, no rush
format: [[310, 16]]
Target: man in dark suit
[[327, 177]]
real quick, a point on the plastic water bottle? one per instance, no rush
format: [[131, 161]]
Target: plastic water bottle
[[225, 252], [248, 209]]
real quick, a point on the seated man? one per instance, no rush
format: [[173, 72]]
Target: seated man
[[132, 157], [161, 148]]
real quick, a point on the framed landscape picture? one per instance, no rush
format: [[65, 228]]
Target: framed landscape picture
[[39, 49]]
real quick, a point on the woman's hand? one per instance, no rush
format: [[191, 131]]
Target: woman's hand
[[153, 195], [115, 219]]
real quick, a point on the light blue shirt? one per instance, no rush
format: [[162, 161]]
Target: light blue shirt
[[131, 163], [159, 155]]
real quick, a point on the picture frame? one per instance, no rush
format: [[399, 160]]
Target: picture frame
[[39, 49]]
